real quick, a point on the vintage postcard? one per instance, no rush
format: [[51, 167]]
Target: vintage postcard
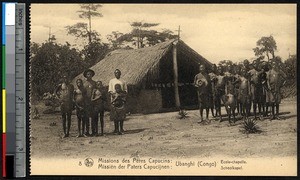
[[163, 89]]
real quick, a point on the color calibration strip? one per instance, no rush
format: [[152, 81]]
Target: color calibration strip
[[13, 90], [3, 90]]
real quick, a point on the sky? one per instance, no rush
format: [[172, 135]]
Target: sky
[[215, 31]]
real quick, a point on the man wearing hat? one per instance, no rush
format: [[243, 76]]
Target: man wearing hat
[[89, 85], [64, 92]]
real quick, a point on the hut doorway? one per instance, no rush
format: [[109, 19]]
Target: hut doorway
[[187, 69]]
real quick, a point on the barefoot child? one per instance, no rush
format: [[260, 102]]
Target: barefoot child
[[79, 99]]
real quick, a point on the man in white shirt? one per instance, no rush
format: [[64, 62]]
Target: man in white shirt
[[117, 114], [117, 80]]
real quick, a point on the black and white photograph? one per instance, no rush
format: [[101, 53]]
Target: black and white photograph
[[163, 89]]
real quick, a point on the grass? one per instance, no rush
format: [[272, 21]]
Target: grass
[[182, 114], [250, 126]]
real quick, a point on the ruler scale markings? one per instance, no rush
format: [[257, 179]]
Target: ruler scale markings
[[20, 158], [8, 68]]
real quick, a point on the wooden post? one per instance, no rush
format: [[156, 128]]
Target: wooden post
[[175, 71]]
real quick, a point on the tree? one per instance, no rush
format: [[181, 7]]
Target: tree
[[84, 30], [34, 47], [139, 31], [225, 63], [141, 36], [51, 61], [81, 31], [291, 67], [113, 39], [267, 46], [94, 52]]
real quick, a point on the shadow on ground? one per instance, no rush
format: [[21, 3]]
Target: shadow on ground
[[131, 131]]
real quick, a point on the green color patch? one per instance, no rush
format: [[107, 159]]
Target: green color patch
[[3, 67]]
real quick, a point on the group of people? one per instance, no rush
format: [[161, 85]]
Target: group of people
[[90, 100], [237, 87], [240, 87]]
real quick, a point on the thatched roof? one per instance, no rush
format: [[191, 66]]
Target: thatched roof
[[135, 64]]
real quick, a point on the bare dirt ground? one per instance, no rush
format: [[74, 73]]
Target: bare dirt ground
[[164, 135]]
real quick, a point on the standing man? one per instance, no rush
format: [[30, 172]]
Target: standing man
[[98, 98], [89, 85], [220, 90], [236, 71], [213, 76], [275, 80], [244, 94], [64, 92], [79, 99], [203, 84], [256, 88], [262, 80], [117, 114]]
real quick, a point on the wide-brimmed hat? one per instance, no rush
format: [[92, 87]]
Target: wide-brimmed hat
[[88, 70]]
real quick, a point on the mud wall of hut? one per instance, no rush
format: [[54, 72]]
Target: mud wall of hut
[[150, 101], [144, 101]]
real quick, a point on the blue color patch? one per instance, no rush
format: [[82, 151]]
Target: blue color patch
[[3, 24]]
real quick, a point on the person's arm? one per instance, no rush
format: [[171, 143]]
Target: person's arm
[[125, 87], [56, 90], [95, 96], [268, 87], [195, 81], [74, 100], [74, 95], [110, 87]]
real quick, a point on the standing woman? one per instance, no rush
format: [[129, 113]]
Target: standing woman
[[64, 92], [203, 84], [89, 85]]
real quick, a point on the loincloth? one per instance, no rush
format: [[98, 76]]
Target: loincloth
[[118, 111]]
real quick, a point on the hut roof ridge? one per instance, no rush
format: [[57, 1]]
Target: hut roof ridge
[[134, 64]]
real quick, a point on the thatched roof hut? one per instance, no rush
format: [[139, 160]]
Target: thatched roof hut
[[150, 68]]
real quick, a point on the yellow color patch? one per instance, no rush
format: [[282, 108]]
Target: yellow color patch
[[4, 111]]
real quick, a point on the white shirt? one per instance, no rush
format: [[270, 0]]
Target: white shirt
[[113, 82]]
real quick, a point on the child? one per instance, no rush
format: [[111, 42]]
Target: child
[[118, 112], [79, 99], [98, 98]]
